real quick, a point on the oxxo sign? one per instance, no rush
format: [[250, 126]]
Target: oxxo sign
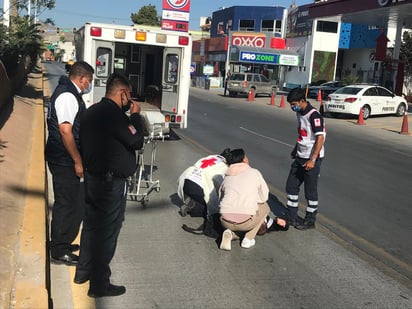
[[258, 40]]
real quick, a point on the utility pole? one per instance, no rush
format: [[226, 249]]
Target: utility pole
[[6, 13]]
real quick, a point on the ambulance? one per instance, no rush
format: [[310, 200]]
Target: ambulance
[[156, 62]]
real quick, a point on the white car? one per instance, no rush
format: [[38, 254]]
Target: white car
[[372, 99]]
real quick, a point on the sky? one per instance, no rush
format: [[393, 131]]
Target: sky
[[74, 13]]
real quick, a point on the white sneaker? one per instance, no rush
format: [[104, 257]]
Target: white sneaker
[[226, 243], [248, 243]]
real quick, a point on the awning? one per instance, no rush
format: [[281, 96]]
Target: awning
[[264, 55]]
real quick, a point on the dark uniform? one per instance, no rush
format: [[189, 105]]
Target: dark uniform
[[68, 205], [109, 140]]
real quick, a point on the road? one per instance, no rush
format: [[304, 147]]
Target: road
[[365, 179], [164, 267]]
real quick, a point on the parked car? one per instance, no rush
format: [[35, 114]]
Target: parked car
[[242, 83], [325, 88], [372, 99], [68, 65]]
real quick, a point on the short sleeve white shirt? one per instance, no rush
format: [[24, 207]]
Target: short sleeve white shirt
[[66, 107]]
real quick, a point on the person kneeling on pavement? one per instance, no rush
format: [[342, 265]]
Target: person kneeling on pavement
[[243, 203], [198, 188]]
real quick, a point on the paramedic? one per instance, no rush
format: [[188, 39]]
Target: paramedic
[[307, 154]]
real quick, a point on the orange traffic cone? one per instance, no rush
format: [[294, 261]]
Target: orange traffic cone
[[360, 117], [404, 129], [282, 102], [272, 99], [319, 95], [251, 95]]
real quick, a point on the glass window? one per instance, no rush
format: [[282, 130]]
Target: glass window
[[172, 65], [247, 25], [256, 78], [371, 92], [103, 62], [249, 78], [264, 79], [348, 90], [267, 25], [327, 26], [384, 92]]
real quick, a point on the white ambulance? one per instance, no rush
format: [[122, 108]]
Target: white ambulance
[[157, 63]]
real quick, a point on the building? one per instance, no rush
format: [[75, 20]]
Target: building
[[245, 38]]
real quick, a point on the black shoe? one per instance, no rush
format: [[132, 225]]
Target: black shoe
[[292, 222], [306, 225], [69, 259], [74, 247], [81, 278], [110, 290]]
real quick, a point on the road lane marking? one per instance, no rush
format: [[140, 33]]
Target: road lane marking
[[267, 137]]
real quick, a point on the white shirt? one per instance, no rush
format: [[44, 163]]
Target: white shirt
[[66, 107]]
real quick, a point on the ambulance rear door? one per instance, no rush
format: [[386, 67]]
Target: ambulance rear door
[[170, 82], [103, 65]]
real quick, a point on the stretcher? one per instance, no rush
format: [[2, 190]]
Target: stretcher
[[142, 183]]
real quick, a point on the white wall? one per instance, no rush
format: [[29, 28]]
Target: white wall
[[357, 62]]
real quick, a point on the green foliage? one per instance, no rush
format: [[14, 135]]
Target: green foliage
[[350, 79], [23, 39], [406, 55], [147, 15]]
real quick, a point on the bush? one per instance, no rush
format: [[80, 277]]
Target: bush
[[20, 40]]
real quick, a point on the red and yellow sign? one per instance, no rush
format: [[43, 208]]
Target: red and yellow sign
[[175, 15]]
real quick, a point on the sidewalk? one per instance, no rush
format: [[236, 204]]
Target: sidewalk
[[23, 258]]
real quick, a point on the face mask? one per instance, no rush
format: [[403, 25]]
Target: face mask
[[126, 107], [296, 108], [88, 89]]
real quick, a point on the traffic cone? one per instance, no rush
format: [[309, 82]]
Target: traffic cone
[[251, 95], [319, 95], [272, 99], [282, 102], [404, 129], [360, 117]]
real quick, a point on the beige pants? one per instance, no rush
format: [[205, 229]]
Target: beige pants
[[251, 226]]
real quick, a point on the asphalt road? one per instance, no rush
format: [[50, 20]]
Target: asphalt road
[[163, 266], [365, 181]]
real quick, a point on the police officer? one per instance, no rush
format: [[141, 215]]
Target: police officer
[[64, 161], [308, 154], [109, 140]]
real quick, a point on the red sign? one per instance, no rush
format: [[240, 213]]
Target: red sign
[[257, 40], [175, 25], [177, 5], [175, 15]]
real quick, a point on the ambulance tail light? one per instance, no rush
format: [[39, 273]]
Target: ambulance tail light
[[173, 118], [178, 118], [183, 40], [245, 83], [167, 118], [350, 100], [96, 31]]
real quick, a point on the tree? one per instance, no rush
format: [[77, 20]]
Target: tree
[[24, 39], [406, 56], [147, 15]]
